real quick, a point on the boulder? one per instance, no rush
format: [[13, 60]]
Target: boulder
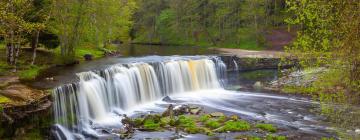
[[88, 57], [217, 114]]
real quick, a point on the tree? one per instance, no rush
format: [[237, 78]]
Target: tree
[[328, 37], [14, 26]]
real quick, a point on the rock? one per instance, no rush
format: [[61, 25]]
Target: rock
[[217, 114], [19, 92], [88, 57], [258, 85], [234, 117], [7, 80], [195, 111], [357, 131], [167, 99], [14, 94], [183, 109], [169, 111]]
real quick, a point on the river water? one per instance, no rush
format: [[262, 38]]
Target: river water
[[89, 99]]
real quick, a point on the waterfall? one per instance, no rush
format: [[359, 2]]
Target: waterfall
[[98, 94]]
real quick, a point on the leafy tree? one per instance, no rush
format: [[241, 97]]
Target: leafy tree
[[14, 26]]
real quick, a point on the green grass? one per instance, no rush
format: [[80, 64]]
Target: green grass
[[30, 74], [240, 125], [266, 127]]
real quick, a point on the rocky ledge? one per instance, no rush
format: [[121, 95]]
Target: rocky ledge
[[20, 104]]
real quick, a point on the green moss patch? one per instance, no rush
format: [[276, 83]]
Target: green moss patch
[[240, 125], [212, 124], [4, 99], [30, 74], [246, 137], [266, 127], [273, 137]]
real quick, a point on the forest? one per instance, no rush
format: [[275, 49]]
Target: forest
[[323, 37]]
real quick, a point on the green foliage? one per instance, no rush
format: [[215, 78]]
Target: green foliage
[[150, 124], [30, 74], [232, 23], [241, 137], [273, 137], [212, 124], [240, 125], [266, 127]]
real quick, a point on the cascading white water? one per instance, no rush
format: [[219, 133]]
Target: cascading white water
[[116, 89]]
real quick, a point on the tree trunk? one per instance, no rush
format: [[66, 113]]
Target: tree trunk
[[36, 42]]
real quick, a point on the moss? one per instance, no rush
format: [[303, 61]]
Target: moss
[[185, 121], [193, 129], [327, 138], [299, 89], [222, 119], [4, 99], [151, 125], [245, 137], [165, 121], [207, 131], [266, 127], [234, 117], [212, 124], [138, 122], [30, 74], [240, 125], [273, 137], [205, 118]]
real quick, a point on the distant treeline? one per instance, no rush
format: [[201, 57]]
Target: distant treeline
[[206, 22]]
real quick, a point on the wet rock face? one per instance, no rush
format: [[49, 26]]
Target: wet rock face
[[300, 78], [7, 80], [254, 63]]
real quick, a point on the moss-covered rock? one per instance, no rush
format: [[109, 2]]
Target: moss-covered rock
[[274, 137], [266, 127], [246, 137], [213, 124], [233, 126]]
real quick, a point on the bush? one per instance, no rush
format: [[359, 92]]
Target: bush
[[266, 127]]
